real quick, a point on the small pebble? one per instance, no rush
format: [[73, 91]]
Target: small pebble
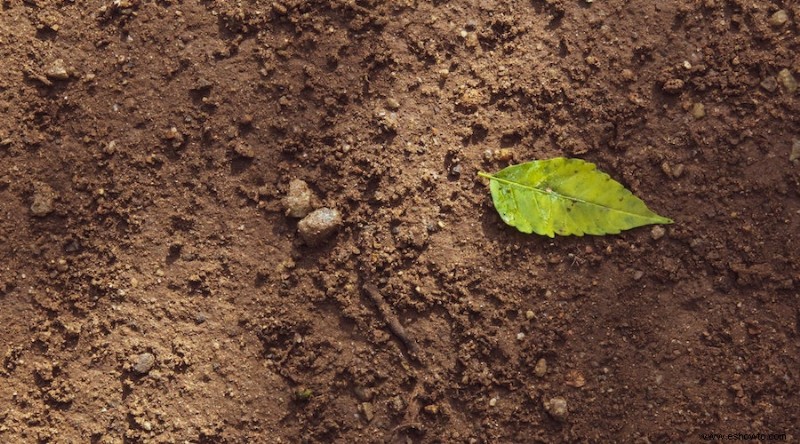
[[657, 232], [794, 156], [503, 155], [299, 200], [319, 225], [677, 170], [541, 368], [492, 402], [698, 110], [788, 81], [244, 150], [638, 275], [144, 363], [520, 336], [392, 104], [43, 197], [431, 409], [368, 410], [529, 315], [769, 84], [57, 70], [779, 18], [557, 408]]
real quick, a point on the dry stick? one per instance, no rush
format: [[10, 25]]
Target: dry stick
[[391, 320]]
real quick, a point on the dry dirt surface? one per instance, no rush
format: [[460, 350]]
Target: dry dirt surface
[[154, 290]]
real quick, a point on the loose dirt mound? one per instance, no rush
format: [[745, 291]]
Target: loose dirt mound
[[154, 289]]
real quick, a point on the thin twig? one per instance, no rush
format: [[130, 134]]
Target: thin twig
[[392, 321]]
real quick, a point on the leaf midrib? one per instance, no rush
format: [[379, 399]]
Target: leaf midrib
[[574, 199]]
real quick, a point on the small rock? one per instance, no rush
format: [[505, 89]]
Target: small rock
[[673, 86], [387, 120], [319, 225], [769, 84], [244, 150], [788, 81], [431, 409], [492, 402], [57, 70], [638, 275], [556, 408], [794, 156], [779, 18], [397, 404], [503, 155], [392, 104], [657, 232], [43, 197], [368, 410], [279, 8], [174, 137], [144, 363], [299, 200], [541, 368], [677, 170], [529, 315], [666, 168], [698, 110]]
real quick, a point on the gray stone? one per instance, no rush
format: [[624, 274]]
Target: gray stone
[[319, 225], [143, 363]]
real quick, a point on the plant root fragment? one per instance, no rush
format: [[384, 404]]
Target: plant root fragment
[[391, 321]]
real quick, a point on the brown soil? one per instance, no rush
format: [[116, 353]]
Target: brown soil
[[153, 290]]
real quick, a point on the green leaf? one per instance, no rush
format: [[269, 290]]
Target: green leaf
[[566, 197]]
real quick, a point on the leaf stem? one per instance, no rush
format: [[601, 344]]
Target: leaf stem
[[486, 175]]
